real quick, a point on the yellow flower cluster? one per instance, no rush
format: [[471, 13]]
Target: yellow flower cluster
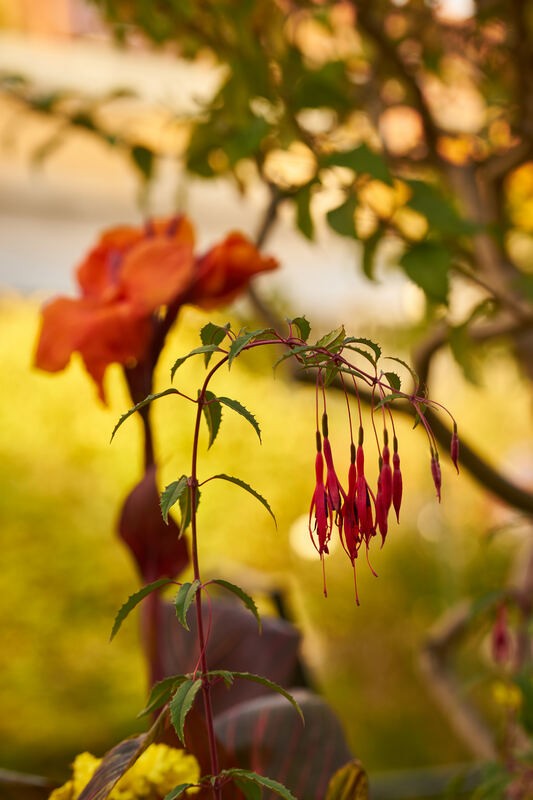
[[155, 773]]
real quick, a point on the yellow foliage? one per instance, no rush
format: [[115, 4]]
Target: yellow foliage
[[520, 197]]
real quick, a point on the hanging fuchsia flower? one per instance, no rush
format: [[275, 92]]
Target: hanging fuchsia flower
[[385, 474], [397, 482], [381, 511], [334, 488], [349, 530], [320, 528]]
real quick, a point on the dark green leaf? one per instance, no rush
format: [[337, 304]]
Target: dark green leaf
[[463, 351], [341, 219], [207, 348], [172, 494], [294, 351], [240, 409], [376, 349], [251, 791], [242, 595], [185, 507], [303, 326], [185, 596], [134, 600], [249, 676], [143, 158], [441, 215], [181, 704], [177, 791], [143, 403], [333, 340], [247, 488], [428, 265], [213, 334], [394, 381], [245, 776], [213, 415], [160, 693], [242, 341], [410, 370], [304, 220], [362, 160], [370, 247], [361, 352]]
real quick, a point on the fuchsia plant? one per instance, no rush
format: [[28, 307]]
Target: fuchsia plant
[[358, 513]]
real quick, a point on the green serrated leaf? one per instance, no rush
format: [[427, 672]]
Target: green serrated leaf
[[206, 348], [342, 218], [242, 340], [172, 494], [388, 399], [394, 381], [304, 220], [150, 398], [134, 600], [410, 370], [249, 676], [330, 373], [247, 776], [251, 791], [212, 411], [303, 327], [362, 352], [242, 595], [247, 488], [240, 409], [370, 247], [160, 693], [184, 598], [333, 340], [177, 791], [213, 334], [299, 350], [376, 349], [428, 265], [185, 507], [181, 704]]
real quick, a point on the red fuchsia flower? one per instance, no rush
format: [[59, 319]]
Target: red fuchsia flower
[[349, 531], [319, 510], [381, 511], [454, 448], [385, 474], [397, 482], [436, 472], [334, 488], [126, 279]]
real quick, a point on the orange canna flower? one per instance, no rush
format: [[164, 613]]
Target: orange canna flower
[[129, 275], [225, 270]]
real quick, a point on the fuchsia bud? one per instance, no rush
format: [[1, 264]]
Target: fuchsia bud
[[397, 483], [454, 448], [501, 637], [334, 488], [435, 472], [351, 540], [385, 476], [381, 512], [361, 491]]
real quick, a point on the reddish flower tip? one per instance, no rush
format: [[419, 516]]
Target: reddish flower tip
[[436, 472], [454, 448], [501, 637], [397, 483]]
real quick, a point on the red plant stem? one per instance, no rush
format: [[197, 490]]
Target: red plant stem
[[206, 687]]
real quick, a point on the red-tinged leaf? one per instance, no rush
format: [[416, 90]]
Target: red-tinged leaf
[[350, 782], [265, 734], [234, 645], [113, 766], [156, 547]]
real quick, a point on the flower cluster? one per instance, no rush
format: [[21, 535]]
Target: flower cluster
[[359, 511], [155, 773], [130, 280]]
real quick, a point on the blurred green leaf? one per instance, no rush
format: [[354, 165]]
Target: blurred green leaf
[[341, 219], [428, 265]]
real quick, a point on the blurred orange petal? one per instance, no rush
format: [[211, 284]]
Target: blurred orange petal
[[226, 269], [97, 274], [156, 271]]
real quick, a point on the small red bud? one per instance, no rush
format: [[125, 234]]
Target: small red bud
[[501, 637], [454, 448], [386, 478], [397, 484], [436, 473]]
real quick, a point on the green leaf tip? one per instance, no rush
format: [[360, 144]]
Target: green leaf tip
[[134, 600], [247, 488], [183, 600], [181, 704]]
